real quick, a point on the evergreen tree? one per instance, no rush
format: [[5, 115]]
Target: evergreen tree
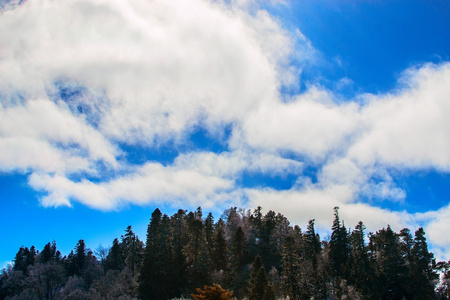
[[167, 286], [76, 260], [238, 250], [422, 276], [148, 277], [258, 282], [257, 222], [313, 247], [290, 274], [405, 246], [31, 256], [80, 256], [390, 267], [91, 269], [360, 272], [339, 247], [20, 260], [156, 276], [196, 254], [114, 259], [238, 254], [267, 248], [178, 240], [313, 278], [46, 254], [220, 251], [132, 251], [209, 233]]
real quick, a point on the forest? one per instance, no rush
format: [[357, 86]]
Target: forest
[[244, 255]]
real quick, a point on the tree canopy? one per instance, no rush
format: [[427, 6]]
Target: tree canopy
[[243, 254]]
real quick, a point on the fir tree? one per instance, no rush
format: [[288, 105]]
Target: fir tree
[[290, 274], [209, 233], [132, 251], [77, 259], [258, 282], [360, 272], [178, 240], [339, 246], [238, 253], [422, 273], [220, 251], [196, 254], [148, 277], [390, 267], [114, 259]]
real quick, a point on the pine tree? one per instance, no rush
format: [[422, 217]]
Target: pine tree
[[114, 259], [258, 282], [313, 281], [405, 247], [209, 233], [290, 274], [313, 247], [20, 260], [238, 257], [339, 247], [422, 272], [390, 267], [268, 249], [167, 286], [157, 272], [220, 251], [46, 254], [178, 239], [257, 222], [148, 277], [31, 256], [77, 259], [132, 249], [238, 249], [360, 272], [196, 254]]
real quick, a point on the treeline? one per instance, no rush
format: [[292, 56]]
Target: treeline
[[253, 255]]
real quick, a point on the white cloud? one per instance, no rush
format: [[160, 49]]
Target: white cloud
[[309, 125], [150, 183], [165, 66], [410, 128], [41, 135], [232, 164], [152, 71]]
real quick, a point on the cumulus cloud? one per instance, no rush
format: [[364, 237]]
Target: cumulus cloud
[[409, 128], [166, 66], [150, 73], [81, 79], [310, 125]]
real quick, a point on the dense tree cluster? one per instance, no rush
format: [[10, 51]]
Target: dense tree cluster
[[245, 254]]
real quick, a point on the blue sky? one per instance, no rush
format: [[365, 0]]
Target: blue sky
[[109, 109]]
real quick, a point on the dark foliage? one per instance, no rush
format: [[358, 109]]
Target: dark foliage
[[244, 254]]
